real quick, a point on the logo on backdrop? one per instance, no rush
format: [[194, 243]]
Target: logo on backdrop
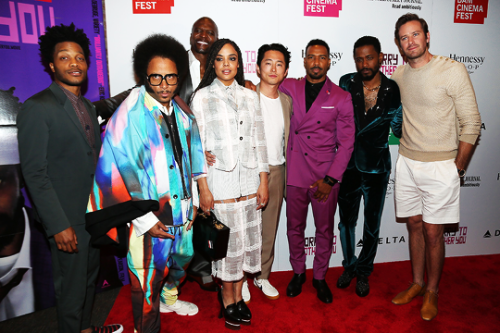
[[249, 61], [26, 24], [456, 237], [335, 57], [386, 240], [310, 245], [471, 11], [390, 187], [325, 8], [472, 63], [489, 235], [263, 1], [404, 4], [390, 62], [152, 7], [471, 181]]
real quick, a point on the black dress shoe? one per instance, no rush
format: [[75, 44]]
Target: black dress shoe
[[362, 286], [245, 313], [295, 286], [345, 279], [230, 313], [324, 293]]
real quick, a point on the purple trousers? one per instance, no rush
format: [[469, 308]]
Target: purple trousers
[[297, 202]]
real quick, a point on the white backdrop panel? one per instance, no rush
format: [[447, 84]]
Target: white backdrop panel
[[251, 24]]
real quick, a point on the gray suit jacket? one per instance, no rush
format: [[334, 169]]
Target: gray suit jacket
[[56, 158]]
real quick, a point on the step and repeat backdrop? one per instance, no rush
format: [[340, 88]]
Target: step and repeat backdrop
[[464, 30]]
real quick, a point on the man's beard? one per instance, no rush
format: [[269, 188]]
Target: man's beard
[[369, 77], [150, 90], [315, 76]]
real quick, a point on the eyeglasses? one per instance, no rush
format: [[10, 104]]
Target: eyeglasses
[[157, 79]]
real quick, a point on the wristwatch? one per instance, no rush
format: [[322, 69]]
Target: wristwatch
[[330, 180], [461, 173]]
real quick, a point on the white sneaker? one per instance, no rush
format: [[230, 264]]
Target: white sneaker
[[267, 288], [245, 293], [180, 307]]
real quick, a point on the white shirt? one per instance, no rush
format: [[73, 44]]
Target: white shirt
[[194, 70], [274, 126], [21, 299]]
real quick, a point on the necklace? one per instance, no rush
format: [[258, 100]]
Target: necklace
[[370, 89], [371, 99]]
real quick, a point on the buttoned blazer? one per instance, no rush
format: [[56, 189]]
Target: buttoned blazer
[[231, 134], [56, 158], [286, 105], [371, 148], [321, 140]]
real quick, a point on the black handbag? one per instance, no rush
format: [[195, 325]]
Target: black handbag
[[210, 236]]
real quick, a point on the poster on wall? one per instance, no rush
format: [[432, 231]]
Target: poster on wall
[[25, 262]]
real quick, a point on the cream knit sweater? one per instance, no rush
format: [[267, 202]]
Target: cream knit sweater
[[439, 109]]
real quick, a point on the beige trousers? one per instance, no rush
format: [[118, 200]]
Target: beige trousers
[[271, 217]]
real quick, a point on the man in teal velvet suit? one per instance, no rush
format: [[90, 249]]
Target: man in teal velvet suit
[[377, 108]]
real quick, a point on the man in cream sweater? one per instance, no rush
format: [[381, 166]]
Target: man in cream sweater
[[441, 124]]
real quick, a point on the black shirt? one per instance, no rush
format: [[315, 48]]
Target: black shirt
[[312, 91]]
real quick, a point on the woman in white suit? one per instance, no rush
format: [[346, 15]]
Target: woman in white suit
[[231, 128]]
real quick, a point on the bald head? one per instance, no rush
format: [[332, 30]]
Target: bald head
[[203, 34]]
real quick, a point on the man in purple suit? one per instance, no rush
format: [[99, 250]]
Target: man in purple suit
[[319, 148]]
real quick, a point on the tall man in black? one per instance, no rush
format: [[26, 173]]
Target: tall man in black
[[377, 108], [59, 142]]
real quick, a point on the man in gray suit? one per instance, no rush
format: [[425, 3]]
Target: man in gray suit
[[59, 142]]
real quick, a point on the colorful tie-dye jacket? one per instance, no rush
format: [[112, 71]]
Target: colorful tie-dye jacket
[[137, 172]]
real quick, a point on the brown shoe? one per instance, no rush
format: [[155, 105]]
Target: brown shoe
[[429, 308], [406, 296]]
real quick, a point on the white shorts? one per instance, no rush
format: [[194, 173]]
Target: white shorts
[[430, 189]]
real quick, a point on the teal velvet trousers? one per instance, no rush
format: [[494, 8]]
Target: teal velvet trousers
[[372, 187]]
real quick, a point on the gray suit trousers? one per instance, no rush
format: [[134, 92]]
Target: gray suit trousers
[[75, 276]]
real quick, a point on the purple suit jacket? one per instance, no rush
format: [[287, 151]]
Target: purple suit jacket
[[322, 140]]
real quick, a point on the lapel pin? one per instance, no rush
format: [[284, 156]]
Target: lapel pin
[[328, 92]]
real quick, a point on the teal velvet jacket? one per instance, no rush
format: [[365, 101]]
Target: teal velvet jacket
[[371, 147]]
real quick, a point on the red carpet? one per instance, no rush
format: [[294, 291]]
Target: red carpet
[[469, 301]]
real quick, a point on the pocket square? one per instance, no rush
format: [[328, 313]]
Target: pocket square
[[328, 107]]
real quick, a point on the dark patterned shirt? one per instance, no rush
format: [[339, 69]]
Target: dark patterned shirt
[[84, 118]]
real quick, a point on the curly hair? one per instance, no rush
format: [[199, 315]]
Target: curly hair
[[273, 47], [366, 41], [160, 45], [210, 75], [59, 34]]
